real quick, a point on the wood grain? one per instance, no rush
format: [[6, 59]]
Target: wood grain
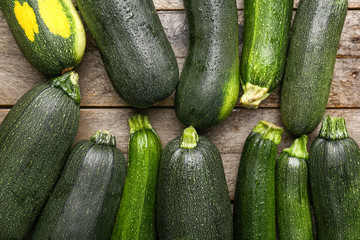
[[176, 29], [229, 136], [17, 76], [179, 4], [97, 91]]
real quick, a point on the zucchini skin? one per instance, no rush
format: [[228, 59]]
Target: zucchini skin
[[136, 216], [86, 197], [334, 168], [134, 48], [292, 198], [35, 138], [209, 83], [310, 63], [254, 202], [266, 37], [192, 199], [49, 33]]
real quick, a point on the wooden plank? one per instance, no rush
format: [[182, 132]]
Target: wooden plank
[[175, 26], [17, 76], [179, 4], [96, 88], [229, 136]]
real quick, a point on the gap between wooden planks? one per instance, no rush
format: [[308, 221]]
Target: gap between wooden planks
[[229, 137]]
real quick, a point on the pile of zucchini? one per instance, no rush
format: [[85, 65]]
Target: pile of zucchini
[[272, 193], [51, 190]]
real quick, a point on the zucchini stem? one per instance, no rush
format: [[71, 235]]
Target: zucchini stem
[[139, 122], [298, 148], [69, 83], [103, 137], [253, 96], [269, 131], [189, 138], [333, 128]]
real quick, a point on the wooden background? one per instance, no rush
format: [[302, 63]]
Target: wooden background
[[101, 108]]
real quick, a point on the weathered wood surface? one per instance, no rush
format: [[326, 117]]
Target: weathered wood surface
[[176, 29], [229, 136], [179, 4], [174, 23], [97, 91], [17, 76]]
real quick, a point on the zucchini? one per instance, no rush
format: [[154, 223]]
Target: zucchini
[[49, 33], [254, 202], [192, 200], [310, 63], [86, 197], [35, 137], [334, 168], [266, 37], [209, 83], [134, 48], [292, 199], [136, 215]]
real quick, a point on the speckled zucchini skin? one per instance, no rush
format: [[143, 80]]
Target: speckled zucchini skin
[[254, 202], [53, 40], [334, 169], [87, 195], [134, 48], [192, 197], [310, 63], [209, 83], [35, 138], [292, 198], [136, 216], [266, 36]]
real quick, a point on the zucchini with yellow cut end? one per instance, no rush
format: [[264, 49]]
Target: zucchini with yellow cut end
[[49, 33]]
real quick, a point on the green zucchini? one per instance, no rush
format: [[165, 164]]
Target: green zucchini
[[136, 216], [134, 48], [334, 169], [310, 63], [266, 37], [192, 200], [35, 137], [292, 199], [49, 33], [209, 83], [254, 202], [86, 197]]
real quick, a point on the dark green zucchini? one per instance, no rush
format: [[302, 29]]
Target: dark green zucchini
[[192, 200], [49, 33], [35, 138], [292, 199], [310, 63], [209, 83], [87, 195], [334, 168], [254, 203], [266, 37], [136, 216], [134, 48]]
